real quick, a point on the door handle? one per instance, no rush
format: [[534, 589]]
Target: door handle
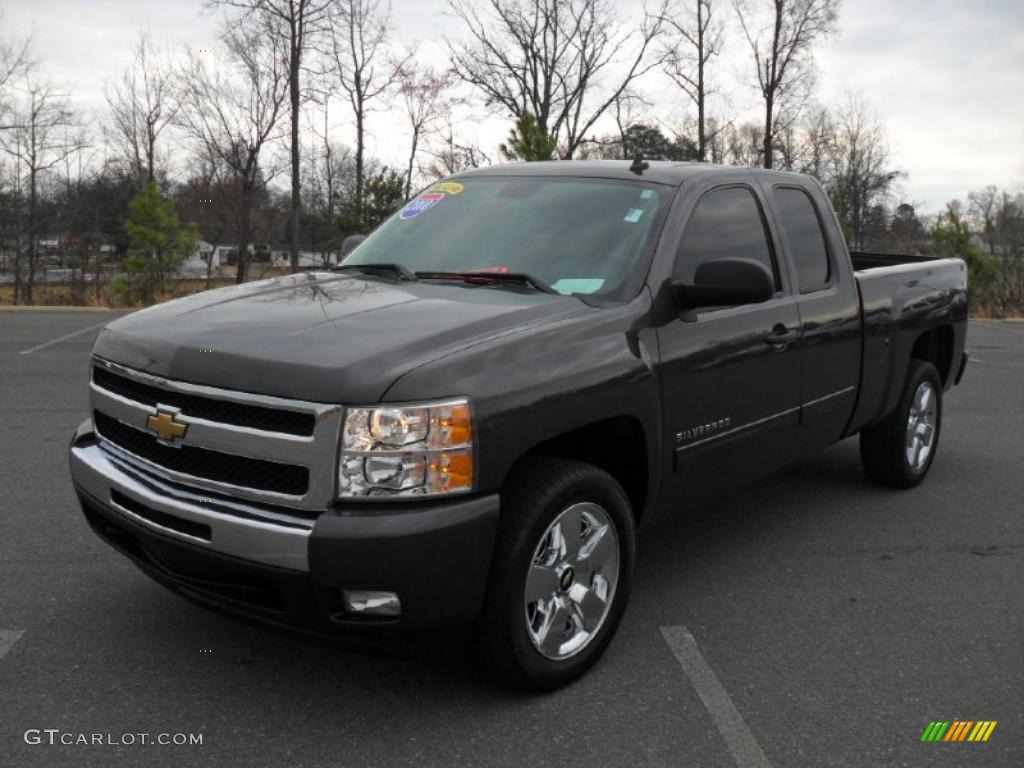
[[781, 336]]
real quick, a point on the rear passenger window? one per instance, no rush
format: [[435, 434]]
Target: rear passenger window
[[726, 223], [806, 240]]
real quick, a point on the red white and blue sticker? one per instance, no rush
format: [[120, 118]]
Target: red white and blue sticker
[[424, 202]]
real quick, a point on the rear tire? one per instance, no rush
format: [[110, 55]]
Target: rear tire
[[561, 573], [899, 450]]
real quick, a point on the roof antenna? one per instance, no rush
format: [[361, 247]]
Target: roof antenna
[[639, 164]]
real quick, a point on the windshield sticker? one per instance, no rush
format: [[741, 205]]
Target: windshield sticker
[[634, 215], [647, 194], [569, 285], [424, 202], [451, 187]]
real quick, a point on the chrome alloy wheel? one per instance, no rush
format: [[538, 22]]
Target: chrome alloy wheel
[[921, 426], [571, 582]]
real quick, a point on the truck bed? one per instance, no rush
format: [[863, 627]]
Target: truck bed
[[901, 297]]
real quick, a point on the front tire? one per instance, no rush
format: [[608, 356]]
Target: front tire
[[899, 450], [561, 574]]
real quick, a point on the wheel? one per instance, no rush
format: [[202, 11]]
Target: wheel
[[899, 449], [561, 573]]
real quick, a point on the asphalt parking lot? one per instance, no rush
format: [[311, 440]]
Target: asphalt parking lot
[[810, 620]]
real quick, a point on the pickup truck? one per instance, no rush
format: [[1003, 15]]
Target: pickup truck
[[467, 421]]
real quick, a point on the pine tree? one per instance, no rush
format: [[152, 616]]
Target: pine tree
[[526, 141], [157, 245]]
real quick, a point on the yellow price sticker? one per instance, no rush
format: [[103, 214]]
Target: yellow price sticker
[[448, 187]]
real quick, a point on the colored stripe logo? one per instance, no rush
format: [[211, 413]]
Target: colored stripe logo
[[958, 730]]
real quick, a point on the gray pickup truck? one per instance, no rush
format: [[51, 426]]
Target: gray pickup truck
[[470, 418]]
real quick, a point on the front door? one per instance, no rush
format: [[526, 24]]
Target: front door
[[730, 376]]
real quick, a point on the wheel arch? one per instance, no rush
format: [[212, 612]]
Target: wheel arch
[[936, 346], [618, 445]]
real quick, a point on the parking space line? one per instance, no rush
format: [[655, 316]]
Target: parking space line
[[8, 637], [741, 742], [59, 339]]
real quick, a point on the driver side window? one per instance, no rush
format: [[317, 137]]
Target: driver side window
[[727, 223]]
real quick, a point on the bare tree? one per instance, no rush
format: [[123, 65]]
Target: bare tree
[[72, 193], [693, 37], [323, 173], [450, 155], [296, 24], [998, 217], [41, 137], [425, 106], [364, 72], [141, 106], [548, 57], [330, 177], [209, 197], [741, 145], [234, 118], [818, 140], [15, 62], [782, 50], [860, 175], [715, 135], [624, 110]]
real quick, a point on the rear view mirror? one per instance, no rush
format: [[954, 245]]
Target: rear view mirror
[[349, 244], [724, 283]]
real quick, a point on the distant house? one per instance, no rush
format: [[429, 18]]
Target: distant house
[[199, 261], [220, 256], [307, 259]]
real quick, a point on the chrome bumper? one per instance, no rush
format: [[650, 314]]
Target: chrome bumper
[[252, 534]]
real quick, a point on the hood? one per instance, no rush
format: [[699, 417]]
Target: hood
[[321, 336]]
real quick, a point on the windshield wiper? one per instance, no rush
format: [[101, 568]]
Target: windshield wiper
[[487, 278], [380, 268]]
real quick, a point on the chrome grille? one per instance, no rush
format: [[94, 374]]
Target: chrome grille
[[204, 463], [241, 415], [237, 444]]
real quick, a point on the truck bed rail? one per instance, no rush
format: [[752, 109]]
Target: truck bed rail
[[869, 260]]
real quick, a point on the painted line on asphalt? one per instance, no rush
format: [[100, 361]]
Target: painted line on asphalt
[[741, 742], [59, 339], [8, 637]]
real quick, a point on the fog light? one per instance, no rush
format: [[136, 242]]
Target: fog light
[[364, 602]]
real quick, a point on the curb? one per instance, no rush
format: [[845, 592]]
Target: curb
[[55, 308]]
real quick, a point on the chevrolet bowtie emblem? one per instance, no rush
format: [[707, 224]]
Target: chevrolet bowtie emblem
[[168, 430]]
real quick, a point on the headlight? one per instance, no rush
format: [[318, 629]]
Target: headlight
[[412, 450]]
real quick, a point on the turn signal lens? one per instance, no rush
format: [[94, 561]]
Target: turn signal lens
[[450, 471], [450, 427]]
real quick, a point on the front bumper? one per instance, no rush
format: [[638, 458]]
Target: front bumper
[[272, 566]]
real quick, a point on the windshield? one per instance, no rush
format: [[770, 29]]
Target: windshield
[[576, 235]]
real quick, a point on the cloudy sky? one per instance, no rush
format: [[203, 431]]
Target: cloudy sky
[[945, 77]]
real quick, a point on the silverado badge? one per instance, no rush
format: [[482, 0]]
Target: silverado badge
[[163, 422]]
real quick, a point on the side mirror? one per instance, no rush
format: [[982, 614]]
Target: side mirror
[[725, 283], [349, 244]]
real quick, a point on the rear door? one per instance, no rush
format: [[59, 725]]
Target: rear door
[[829, 312], [730, 376]]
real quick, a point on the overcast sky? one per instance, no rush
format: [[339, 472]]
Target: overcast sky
[[946, 77]]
